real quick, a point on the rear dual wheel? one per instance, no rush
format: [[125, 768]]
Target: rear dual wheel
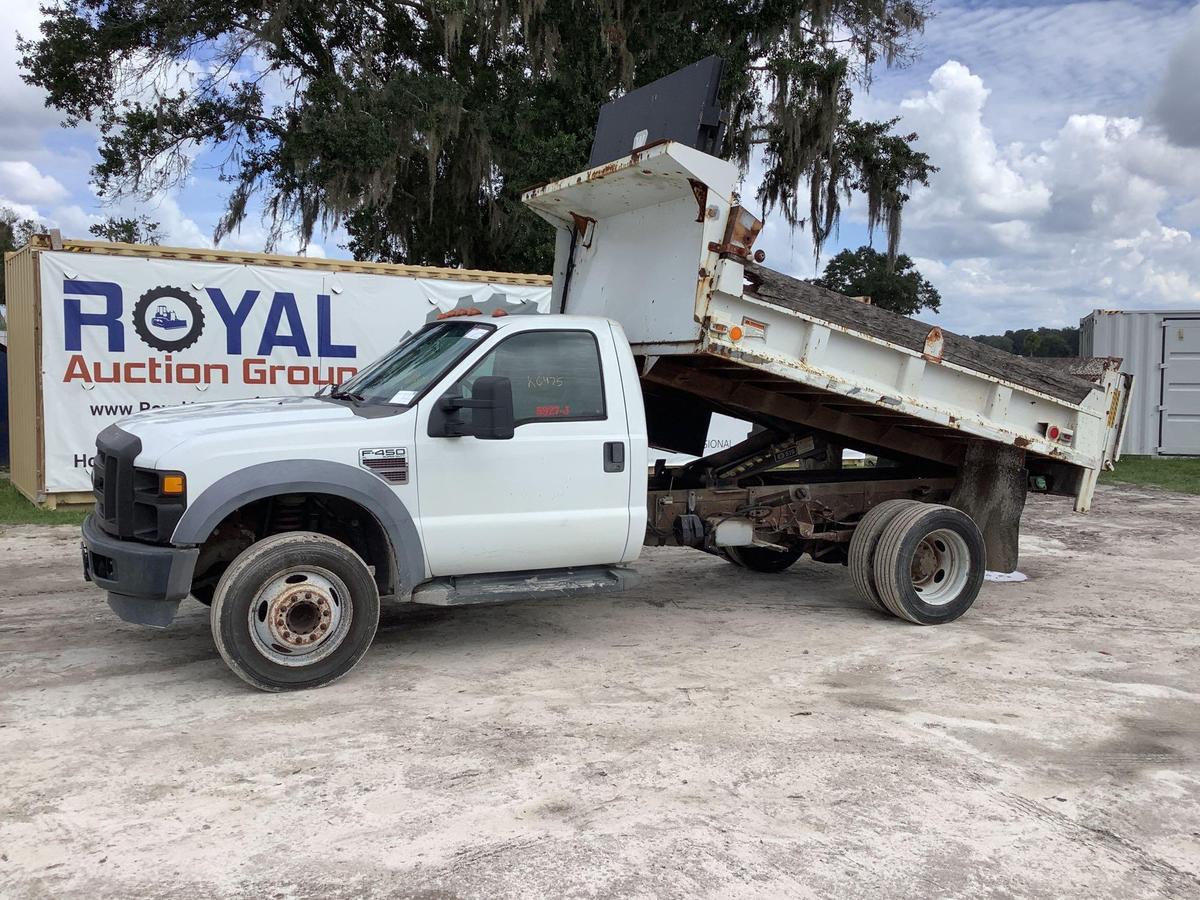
[[863, 544], [920, 561]]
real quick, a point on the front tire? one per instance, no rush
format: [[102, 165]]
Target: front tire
[[294, 611]]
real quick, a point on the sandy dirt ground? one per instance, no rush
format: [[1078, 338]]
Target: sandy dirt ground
[[713, 733]]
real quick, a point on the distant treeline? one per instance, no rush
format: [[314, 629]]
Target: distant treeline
[[1035, 342]]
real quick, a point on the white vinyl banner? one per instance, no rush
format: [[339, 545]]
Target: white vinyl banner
[[121, 335]]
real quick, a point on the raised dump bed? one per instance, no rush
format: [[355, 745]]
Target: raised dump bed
[[659, 242]]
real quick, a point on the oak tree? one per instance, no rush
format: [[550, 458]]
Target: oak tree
[[865, 272], [417, 123]]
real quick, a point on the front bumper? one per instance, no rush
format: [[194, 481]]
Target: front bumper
[[145, 582]]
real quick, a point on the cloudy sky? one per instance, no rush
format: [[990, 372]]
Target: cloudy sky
[[1067, 134]]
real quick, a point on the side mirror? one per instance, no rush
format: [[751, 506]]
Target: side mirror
[[491, 411], [492, 418]]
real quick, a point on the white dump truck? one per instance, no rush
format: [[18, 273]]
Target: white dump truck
[[487, 459]]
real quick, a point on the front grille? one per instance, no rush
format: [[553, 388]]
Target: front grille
[[128, 503], [100, 477], [112, 480]]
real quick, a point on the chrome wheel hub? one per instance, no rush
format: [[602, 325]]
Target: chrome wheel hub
[[300, 616], [940, 567]]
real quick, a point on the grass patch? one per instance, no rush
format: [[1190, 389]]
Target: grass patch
[[1181, 475], [16, 510]]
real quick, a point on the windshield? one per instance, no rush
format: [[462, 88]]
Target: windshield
[[402, 375]]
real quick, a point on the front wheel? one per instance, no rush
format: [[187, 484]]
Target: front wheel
[[293, 611]]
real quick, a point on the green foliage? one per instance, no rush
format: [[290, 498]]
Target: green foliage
[[865, 272], [1031, 342], [1181, 475], [417, 123], [124, 230], [16, 510], [16, 232]]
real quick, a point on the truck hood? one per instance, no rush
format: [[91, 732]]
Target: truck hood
[[249, 422]]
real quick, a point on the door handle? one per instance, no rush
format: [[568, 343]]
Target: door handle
[[614, 456]]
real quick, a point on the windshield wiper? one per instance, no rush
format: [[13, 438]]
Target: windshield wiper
[[338, 394]]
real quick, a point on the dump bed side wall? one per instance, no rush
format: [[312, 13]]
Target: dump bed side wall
[[832, 307], [899, 392]]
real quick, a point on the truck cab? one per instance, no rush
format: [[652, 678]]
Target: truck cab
[[480, 454]]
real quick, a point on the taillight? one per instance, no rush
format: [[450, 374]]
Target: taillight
[[1055, 433]]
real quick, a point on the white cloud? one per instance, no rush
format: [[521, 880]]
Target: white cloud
[[22, 108], [22, 181], [1046, 61], [977, 179], [23, 210], [1016, 235], [1056, 193]]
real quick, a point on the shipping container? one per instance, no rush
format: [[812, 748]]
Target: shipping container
[[1161, 349], [98, 331], [3, 398]]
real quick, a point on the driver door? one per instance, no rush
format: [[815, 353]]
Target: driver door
[[549, 497]]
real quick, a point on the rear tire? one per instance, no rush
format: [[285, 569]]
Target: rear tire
[[293, 611], [761, 559], [863, 544], [929, 564]]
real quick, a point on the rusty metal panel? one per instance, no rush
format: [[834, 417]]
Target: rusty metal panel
[[42, 242], [647, 263], [935, 344], [24, 364]]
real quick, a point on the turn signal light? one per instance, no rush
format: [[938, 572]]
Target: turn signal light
[[735, 333], [172, 485]]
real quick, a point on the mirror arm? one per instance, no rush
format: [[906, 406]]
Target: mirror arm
[[449, 403]]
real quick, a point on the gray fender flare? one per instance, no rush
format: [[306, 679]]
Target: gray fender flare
[[310, 476]]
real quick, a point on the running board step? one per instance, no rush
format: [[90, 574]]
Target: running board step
[[463, 590]]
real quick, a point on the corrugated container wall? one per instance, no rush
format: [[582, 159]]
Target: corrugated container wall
[[1161, 420], [24, 367]]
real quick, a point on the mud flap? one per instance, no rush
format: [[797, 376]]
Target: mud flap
[[991, 490], [144, 611]]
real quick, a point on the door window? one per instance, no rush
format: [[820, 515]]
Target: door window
[[555, 375]]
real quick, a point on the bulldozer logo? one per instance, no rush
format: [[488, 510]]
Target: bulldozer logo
[[168, 319]]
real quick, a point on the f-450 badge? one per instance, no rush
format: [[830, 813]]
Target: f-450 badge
[[389, 463]]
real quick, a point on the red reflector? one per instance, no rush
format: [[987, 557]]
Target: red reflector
[[1052, 432]]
